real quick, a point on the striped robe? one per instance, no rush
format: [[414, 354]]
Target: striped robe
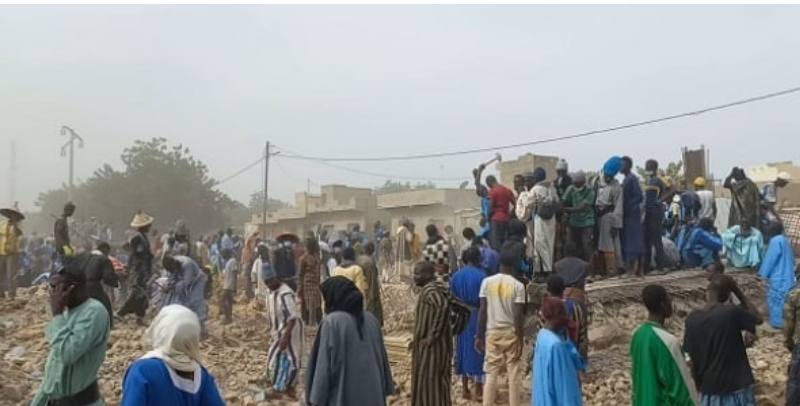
[[432, 366], [284, 366]]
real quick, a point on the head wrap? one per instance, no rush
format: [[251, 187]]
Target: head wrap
[[612, 166], [785, 176], [267, 271], [579, 176], [539, 174], [341, 294], [573, 271], [175, 337], [562, 165]]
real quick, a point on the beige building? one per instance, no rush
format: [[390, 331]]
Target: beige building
[[336, 208], [526, 163], [423, 207]]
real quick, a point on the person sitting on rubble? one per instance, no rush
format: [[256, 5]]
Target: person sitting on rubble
[[702, 246], [744, 245]]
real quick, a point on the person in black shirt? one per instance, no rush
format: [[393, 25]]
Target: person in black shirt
[[714, 342]]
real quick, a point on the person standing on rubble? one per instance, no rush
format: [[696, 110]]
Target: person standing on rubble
[[500, 329], [308, 284], [348, 365], [579, 206], [140, 266], [609, 206], [655, 192], [10, 234], [373, 297], [543, 202], [778, 269], [501, 199], [769, 198], [659, 373], [432, 359], [561, 184], [713, 340], [556, 361], [78, 339], [632, 237], [61, 233], [466, 286], [745, 198]]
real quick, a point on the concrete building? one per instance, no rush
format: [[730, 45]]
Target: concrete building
[[526, 163], [437, 206], [336, 208], [763, 174]]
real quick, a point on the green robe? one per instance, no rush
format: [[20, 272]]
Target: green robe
[[660, 374], [78, 339]]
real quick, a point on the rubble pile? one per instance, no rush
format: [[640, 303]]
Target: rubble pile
[[236, 354]]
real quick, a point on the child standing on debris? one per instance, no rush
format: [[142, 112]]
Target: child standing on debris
[[230, 274]]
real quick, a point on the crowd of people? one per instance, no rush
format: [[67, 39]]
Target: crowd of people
[[471, 299]]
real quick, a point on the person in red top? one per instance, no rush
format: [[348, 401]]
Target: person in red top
[[501, 200]]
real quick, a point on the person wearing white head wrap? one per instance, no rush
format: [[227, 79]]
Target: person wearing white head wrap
[[769, 198], [171, 373]]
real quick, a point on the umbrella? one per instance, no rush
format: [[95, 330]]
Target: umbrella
[[12, 213]]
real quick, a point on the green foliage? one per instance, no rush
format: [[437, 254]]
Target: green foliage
[[673, 171], [256, 204], [396, 186], [164, 181]]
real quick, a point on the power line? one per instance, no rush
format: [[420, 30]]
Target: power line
[[369, 173], [241, 171], [547, 140]]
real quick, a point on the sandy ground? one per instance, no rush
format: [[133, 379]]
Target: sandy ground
[[236, 354]]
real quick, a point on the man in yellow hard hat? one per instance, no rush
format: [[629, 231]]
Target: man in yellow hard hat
[[708, 205]]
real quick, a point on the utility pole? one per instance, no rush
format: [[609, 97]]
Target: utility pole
[[266, 192], [70, 146], [12, 173]]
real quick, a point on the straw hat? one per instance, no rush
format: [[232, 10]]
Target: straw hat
[[12, 213], [140, 219]]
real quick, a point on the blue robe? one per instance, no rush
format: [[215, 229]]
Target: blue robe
[[466, 285], [485, 207], [701, 248], [632, 236], [743, 252], [555, 371], [151, 382], [188, 288], [778, 268]]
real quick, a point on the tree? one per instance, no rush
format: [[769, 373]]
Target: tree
[[164, 181], [673, 171], [396, 186], [256, 204]]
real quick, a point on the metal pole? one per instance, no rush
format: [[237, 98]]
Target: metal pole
[[12, 181], [73, 136], [266, 191]]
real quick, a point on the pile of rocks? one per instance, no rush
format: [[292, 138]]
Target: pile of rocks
[[236, 354]]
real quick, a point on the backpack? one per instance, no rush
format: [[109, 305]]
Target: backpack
[[546, 210]]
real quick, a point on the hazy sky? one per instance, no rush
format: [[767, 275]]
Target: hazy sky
[[387, 80]]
